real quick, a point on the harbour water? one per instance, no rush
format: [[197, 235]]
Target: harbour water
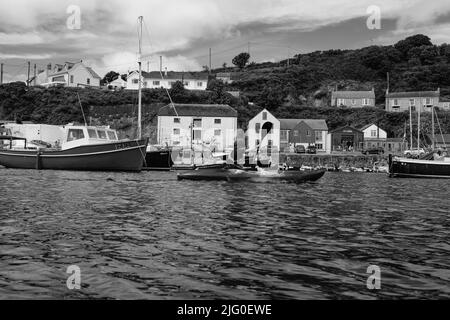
[[149, 236]]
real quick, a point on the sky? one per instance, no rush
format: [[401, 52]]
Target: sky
[[183, 31]]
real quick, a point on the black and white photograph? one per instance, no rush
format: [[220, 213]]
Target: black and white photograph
[[253, 152]]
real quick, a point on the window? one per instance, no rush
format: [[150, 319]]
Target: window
[[257, 142], [217, 121], [88, 81], [199, 84], [412, 102], [112, 135], [135, 81], [101, 134], [373, 133], [71, 79], [92, 134], [145, 84], [295, 133], [171, 83], [264, 115], [176, 132], [258, 127], [176, 143], [75, 134], [197, 123], [413, 108], [284, 135], [395, 103], [353, 102], [156, 83], [176, 120], [197, 134], [341, 102], [319, 146], [318, 135], [428, 101], [308, 133], [217, 132], [366, 102], [186, 83]]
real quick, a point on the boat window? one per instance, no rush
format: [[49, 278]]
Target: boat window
[[75, 134], [101, 134], [112, 135], [92, 134]]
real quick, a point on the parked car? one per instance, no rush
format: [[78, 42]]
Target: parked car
[[416, 153], [311, 150], [374, 150], [300, 149]]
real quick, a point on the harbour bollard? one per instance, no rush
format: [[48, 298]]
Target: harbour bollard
[[38, 160]]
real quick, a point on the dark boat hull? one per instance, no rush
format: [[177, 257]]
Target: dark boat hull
[[118, 156], [411, 168], [158, 160], [223, 174]]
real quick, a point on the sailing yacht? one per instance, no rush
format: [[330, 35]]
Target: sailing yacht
[[433, 165]]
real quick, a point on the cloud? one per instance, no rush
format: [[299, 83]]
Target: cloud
[[27, 56]]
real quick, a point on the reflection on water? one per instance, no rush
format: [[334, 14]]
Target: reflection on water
[[150, 236]]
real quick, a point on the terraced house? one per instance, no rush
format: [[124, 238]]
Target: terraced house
[[422, 101], [154, 80], [353, 99]]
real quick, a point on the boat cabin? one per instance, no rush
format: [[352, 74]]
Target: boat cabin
[[59, 137]]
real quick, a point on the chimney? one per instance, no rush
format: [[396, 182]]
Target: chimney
[[49, 66]]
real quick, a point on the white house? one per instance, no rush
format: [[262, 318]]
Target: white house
[[117, 84], [69, 75], [153, 80], [263, 132], [374, 136], [197, 125]]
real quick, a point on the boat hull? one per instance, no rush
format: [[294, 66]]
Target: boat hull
[[117, 156], [158, 160], [412, 168], [222, 174]]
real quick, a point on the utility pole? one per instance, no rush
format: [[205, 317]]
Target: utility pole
[[28, 79], [34, 79], [248, 48], [148, 66], [160, 64], [210, 60], [1, 73], [388, 80]]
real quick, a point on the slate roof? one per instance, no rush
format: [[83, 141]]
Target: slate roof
[[315, 124], [353, 95], [198, 110], [414, 94]]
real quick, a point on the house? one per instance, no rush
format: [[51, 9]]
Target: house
[[418, 101], [117, 84], [346, 138], [68, 74], [441, 140], [227, 77], [153, 80], [353, 99], [196, 125], [444, 104], [265, 130], [304, 132], [395, 145], [374, 136]]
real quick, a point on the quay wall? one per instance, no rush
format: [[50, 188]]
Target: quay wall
[[332, 160]]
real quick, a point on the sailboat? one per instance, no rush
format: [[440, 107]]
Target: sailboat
[[433, 165]]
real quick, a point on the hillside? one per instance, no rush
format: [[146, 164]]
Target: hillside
[[301, 89]]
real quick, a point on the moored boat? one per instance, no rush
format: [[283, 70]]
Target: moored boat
[[75, 148], [419, 168]]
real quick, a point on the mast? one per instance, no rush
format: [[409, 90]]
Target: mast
[[410, 128], [139, 130], [432, 129], [418, 128]]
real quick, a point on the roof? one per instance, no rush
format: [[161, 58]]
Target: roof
[[93, 73], [353, 94], [198, 110], [64, 71], [414, 94], [315, 124], [176, 75], [345, 127], [439, 137], [368, 126]]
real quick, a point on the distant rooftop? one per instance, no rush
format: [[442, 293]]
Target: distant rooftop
[[414, 94], [315, 124], [353, 95], [198, 110], [176, 75]]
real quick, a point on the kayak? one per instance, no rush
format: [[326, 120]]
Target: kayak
[[227, 173]]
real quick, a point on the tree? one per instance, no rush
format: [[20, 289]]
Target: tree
[[241, 60], [407, 44], [178, 92], [124, 77], [110, 76]]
